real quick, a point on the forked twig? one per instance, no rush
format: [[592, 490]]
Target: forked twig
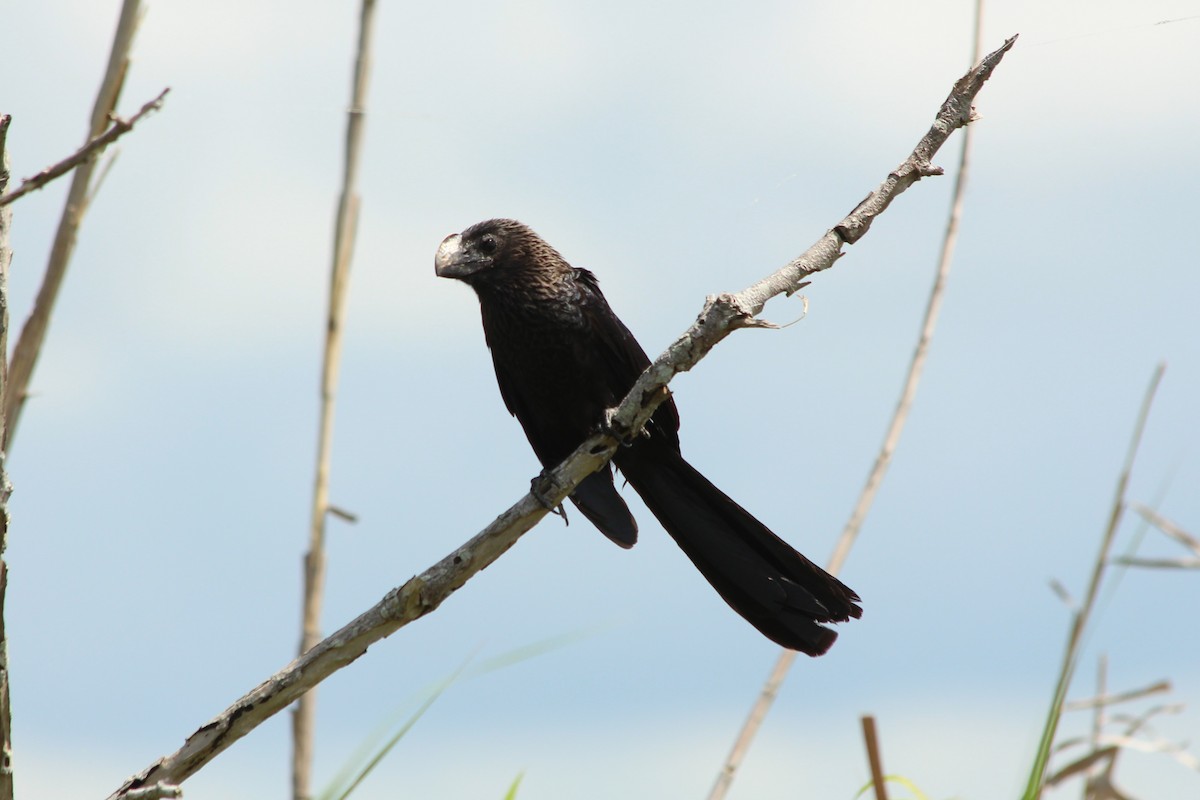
[[33, 334], [94, 147]]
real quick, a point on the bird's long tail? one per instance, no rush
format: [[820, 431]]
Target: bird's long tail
[[759, 575]]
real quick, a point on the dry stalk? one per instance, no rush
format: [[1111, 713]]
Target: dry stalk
[[6, 766], [345, 227], [786, 658], [422, 594], [874, 759]]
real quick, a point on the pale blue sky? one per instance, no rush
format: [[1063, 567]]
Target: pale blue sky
[[163, 467]]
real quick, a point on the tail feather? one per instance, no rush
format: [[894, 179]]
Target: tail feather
[[599, 501], [776, 589]]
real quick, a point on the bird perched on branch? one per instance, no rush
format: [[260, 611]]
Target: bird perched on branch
[[563, 358]]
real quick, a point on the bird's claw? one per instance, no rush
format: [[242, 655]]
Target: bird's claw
[[621, 433], [536, 488]]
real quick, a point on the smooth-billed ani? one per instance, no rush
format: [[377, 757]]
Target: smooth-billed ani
[[562, 358]]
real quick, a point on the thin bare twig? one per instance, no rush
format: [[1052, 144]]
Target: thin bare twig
[[874, 759], [786, 658], [422, 594], [6, 766], [33, 334], [88, 152], [345, 227]]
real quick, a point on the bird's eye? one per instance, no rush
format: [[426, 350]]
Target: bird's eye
[[488, 245]]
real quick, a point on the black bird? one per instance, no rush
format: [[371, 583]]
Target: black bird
[[562, 358]]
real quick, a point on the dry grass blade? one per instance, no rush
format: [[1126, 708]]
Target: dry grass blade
[[1142, 721], [1083, 764], [345, 227], [1176, 751], [1171, 529], [1123, 697], [1064, 594], [1158, 563]]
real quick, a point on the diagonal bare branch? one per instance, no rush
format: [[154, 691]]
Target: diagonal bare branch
[[94, 147], [422, 594], [33, 334]]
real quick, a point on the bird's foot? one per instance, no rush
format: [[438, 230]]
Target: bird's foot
[[609, 427], [537, 488]]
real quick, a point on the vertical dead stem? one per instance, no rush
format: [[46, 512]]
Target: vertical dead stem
[[6, 767], [783, 663], [874, 759], [345, 226]]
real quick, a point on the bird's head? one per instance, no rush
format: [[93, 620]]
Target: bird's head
[[488, 249], [481, 248]]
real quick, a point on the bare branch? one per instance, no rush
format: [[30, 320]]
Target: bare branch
[[424, 593], [89, 151], [33, 334], [6, 767]]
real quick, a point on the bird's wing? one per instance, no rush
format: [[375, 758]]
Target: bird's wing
[[620, 356]]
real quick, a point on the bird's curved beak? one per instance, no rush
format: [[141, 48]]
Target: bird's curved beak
[[452, 261]]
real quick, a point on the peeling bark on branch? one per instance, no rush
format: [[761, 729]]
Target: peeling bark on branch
[[721, 315]]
